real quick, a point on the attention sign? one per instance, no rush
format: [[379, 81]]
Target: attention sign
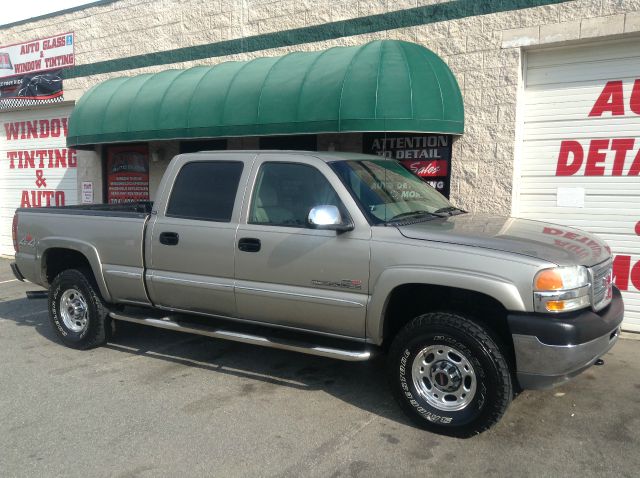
[[427, 156]]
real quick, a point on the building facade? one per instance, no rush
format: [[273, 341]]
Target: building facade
[[551, 93]]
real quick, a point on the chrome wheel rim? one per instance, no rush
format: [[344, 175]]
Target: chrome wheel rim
[[444, 377], [74, 310]]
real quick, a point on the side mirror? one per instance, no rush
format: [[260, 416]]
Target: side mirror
[[328, 218]]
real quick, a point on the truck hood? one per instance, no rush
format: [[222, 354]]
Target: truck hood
[[550, 242]]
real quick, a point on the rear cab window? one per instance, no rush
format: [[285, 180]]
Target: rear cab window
[[205, 190]]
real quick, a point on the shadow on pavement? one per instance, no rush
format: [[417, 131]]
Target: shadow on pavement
[[361, 384]]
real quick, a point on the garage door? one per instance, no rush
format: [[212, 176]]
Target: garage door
[[36, 169], [580, 162]]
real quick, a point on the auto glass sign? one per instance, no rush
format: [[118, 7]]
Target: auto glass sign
[[30, 72]]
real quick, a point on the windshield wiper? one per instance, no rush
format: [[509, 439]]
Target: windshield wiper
[[404, 215], [450, 210]]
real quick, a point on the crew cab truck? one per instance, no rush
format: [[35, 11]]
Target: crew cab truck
[[338, 255]]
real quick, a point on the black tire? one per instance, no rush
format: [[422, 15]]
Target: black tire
[[97, 326], [478, 353]]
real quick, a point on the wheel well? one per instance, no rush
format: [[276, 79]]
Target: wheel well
[[411, 300], [57, 260]]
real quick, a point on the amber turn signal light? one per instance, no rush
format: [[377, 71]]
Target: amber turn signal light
[[555, 305], [549, 279]]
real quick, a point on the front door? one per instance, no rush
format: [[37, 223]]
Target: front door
[[290, 274]]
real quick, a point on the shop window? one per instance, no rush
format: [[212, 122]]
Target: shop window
[[205, 190], [127, 173], [286, 192]]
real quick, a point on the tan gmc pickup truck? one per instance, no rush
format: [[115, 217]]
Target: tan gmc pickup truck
[[338, 255]]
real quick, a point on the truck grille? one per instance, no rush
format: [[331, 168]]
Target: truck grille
[[601, 280]]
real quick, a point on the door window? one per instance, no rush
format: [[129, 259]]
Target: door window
[[205, 190], [286, 192]]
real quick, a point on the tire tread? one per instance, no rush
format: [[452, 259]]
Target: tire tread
[[438, 320], [99, 335]]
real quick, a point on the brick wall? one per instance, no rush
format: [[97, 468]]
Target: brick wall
[[484, 52]]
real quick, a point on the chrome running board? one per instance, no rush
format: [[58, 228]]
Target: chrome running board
[[171, 323]]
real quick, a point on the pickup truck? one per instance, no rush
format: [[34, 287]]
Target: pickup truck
[[339, 255]]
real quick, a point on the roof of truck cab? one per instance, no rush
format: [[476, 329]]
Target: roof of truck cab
[[326, 156]]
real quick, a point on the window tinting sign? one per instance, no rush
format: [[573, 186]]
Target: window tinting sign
[[127, 174], [31, 72], [427, 156]]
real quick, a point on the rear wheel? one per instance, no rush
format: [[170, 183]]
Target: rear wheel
[[76, 310], [449, 375]]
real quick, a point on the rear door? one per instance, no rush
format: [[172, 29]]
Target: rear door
[[192, 239], [292, 275]]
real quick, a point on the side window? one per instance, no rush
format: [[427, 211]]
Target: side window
[[285, 193], [205, 190]]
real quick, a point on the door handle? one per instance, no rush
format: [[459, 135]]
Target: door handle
[[169, 238], [249, 244]]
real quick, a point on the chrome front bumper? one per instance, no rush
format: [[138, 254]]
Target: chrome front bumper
[[544, 366]]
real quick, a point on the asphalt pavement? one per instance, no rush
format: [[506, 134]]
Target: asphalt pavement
[[157, 403]]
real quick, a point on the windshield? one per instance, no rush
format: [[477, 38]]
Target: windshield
[[386, 191]]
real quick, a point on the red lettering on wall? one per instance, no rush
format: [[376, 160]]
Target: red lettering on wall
[[43, 158], [43, 128], [621, 267], [634, 104], [596, 157], [31, 130], [73, 158], [624, 272], [564, 167], [611, 99], [42, 198], [634, 170], [11, 156], [11, 130], [621, 147]]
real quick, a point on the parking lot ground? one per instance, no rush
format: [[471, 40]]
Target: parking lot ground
[[159, 403]]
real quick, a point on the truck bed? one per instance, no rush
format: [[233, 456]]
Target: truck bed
[[110, 236]]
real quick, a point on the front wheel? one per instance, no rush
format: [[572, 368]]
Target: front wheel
[[76, 310], [449, 375]]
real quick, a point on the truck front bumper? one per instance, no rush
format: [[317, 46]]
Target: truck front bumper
[[552, 349]]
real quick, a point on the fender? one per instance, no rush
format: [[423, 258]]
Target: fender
[[86, 249], [494, 286]]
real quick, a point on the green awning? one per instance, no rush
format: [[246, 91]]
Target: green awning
[[384, 85]]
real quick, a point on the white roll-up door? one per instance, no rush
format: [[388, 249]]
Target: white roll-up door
[[36, 169], [580, 158]]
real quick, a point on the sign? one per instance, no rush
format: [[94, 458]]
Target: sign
[[589, 157], [427, 156], [127, 174], [87, 192], [608, 157], [30, 154], [570, 197], [36, 167], [31, 72]]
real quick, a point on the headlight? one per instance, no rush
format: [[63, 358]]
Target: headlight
[[561, 289]]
